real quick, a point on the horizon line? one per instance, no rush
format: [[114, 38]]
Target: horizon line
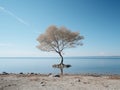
[[53, 57]]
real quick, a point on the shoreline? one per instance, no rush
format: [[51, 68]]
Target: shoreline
[[56, 82], [69, 74]]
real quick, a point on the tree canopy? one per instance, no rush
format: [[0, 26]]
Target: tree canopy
[[57, 39]]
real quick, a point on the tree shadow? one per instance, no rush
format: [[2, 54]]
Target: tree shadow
[[61, 67]]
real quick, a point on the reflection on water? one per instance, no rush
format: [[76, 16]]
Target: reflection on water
[[61, 67], [61, 70]]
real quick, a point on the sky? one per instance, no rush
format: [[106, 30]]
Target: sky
[[22, 21]]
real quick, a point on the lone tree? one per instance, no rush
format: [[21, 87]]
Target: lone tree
[[57, 39]]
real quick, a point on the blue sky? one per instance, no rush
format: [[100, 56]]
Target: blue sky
[[22, 21]]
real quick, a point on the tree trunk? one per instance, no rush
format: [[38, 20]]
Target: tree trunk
[[61, 63], [61, 70]]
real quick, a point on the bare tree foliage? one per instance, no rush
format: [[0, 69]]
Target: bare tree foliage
[[57, 39]]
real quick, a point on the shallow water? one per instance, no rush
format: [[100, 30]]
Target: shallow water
[[101, 65]]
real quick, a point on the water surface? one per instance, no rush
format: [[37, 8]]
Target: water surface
[[101, 65]]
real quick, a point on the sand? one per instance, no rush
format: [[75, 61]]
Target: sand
[[66, 82]]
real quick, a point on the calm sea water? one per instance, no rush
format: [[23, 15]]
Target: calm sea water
[[101, 65]]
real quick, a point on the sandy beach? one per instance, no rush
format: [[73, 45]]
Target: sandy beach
[[54, 82]]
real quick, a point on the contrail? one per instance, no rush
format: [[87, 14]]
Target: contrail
[[13, 15]]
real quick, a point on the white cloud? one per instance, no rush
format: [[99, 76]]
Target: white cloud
[[13, 15], [102, 53]]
